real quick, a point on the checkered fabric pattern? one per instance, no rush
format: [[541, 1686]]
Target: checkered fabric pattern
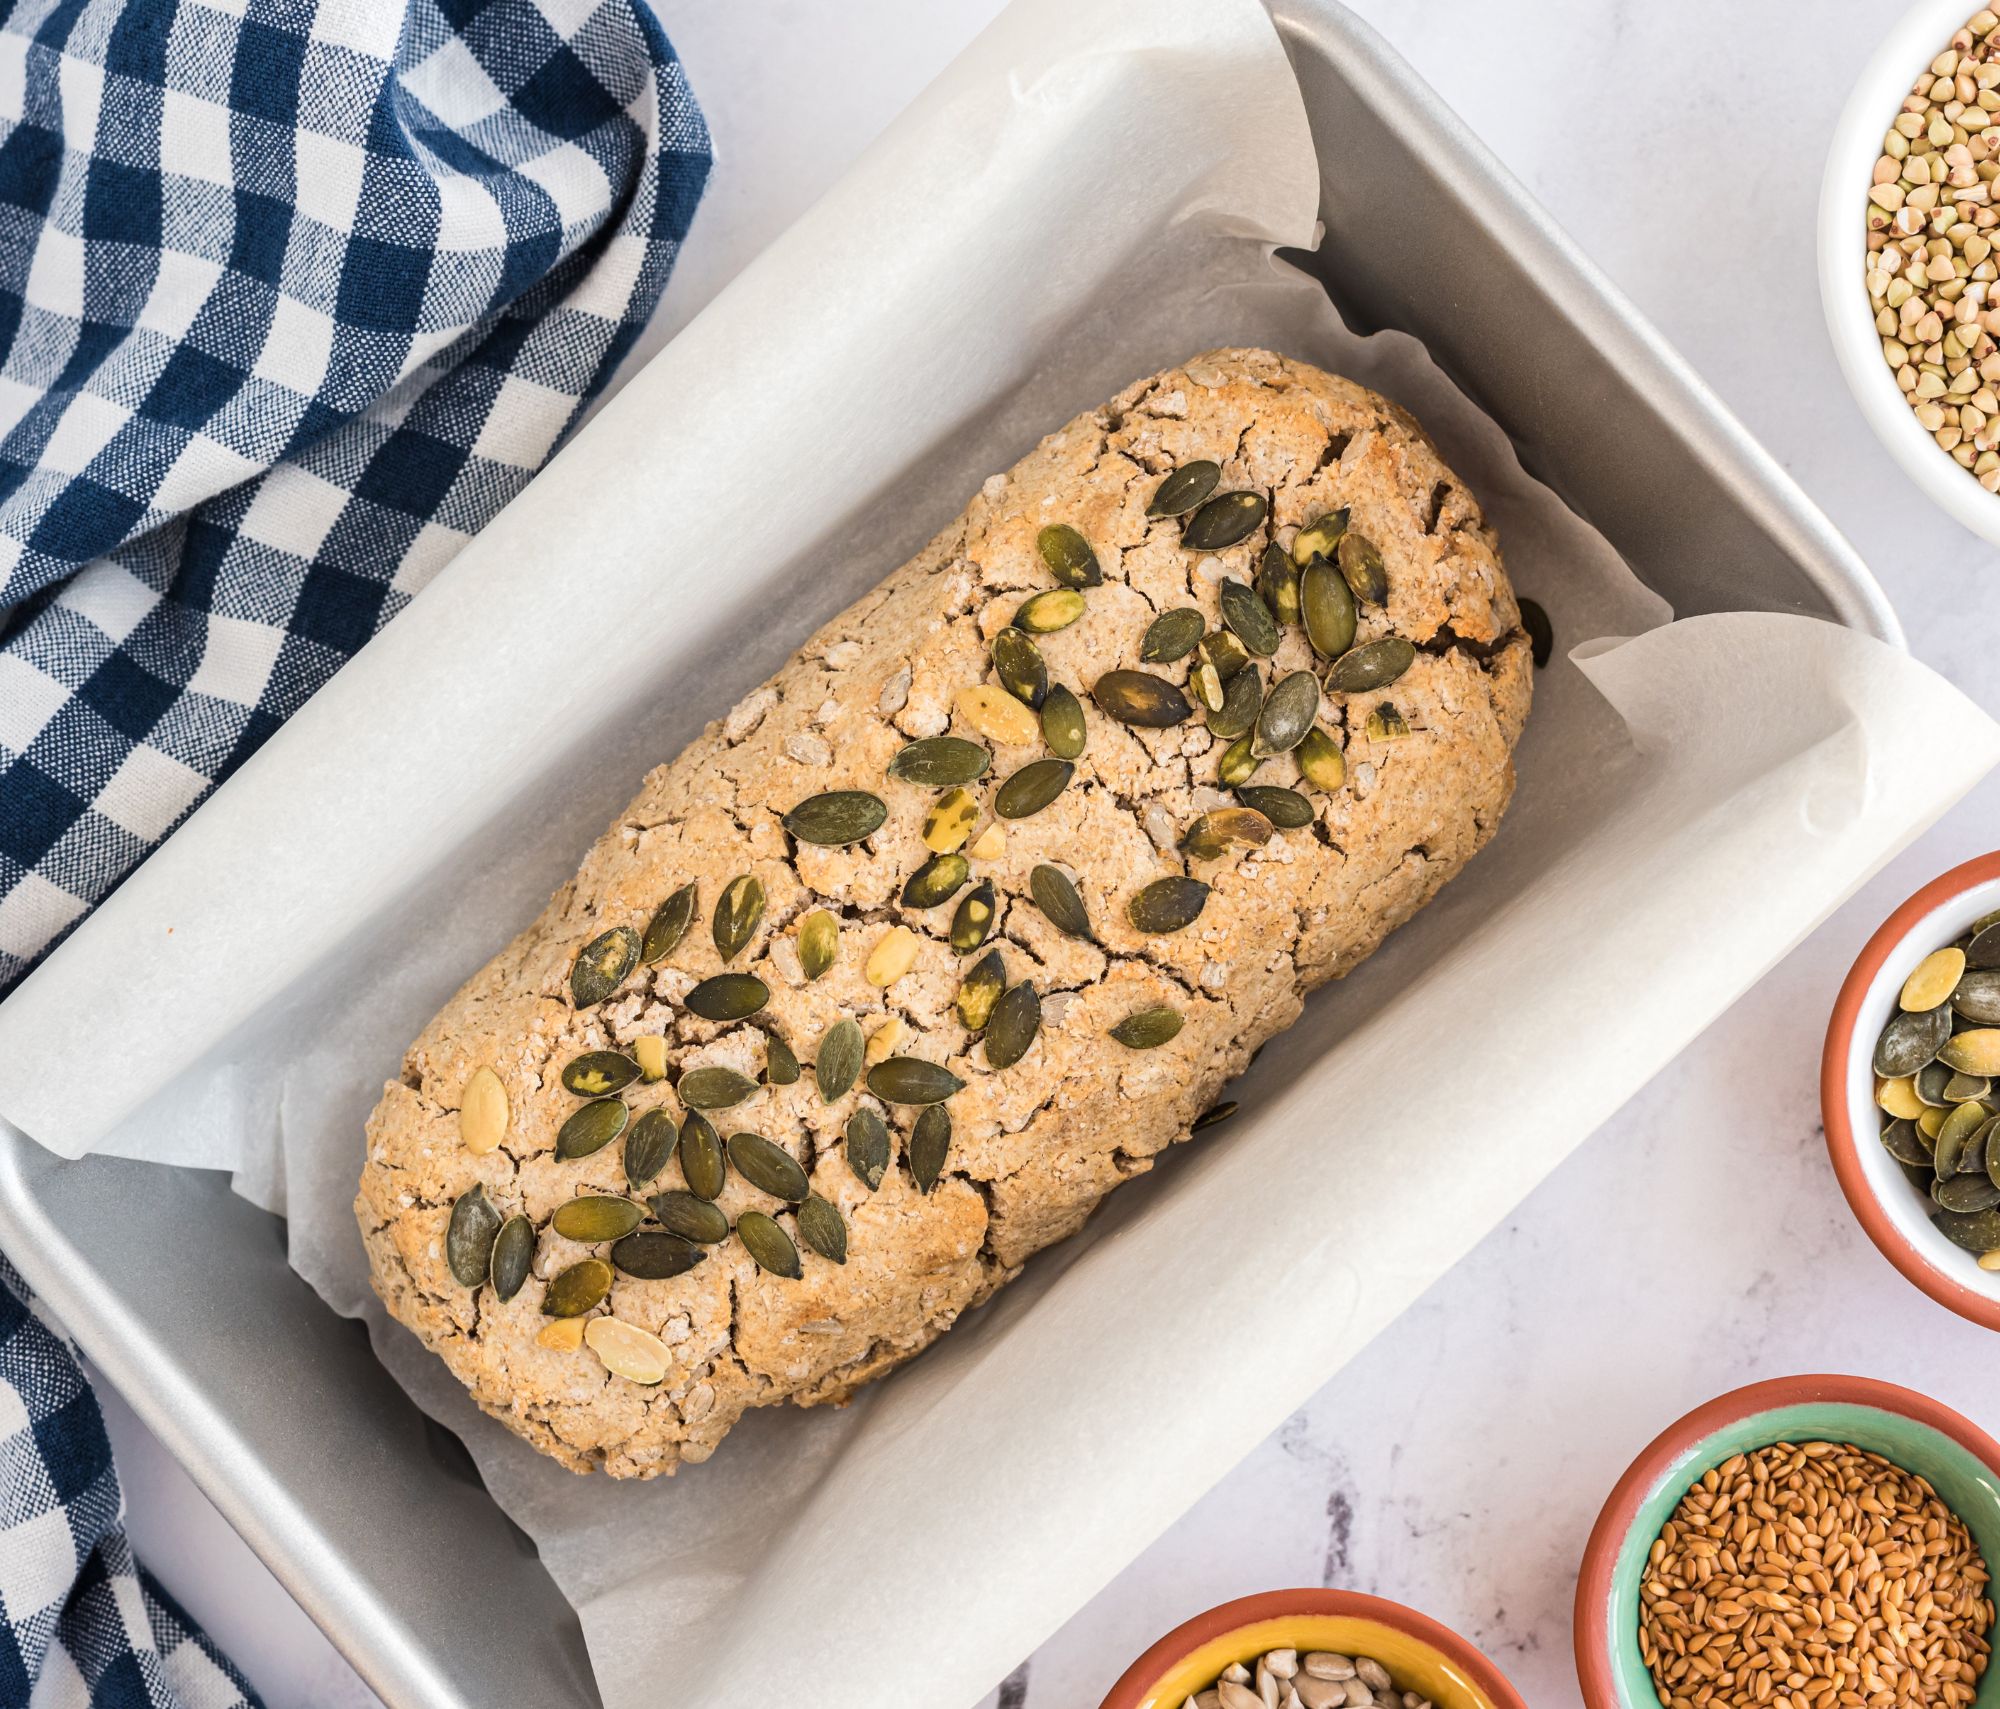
[[82, 1626], [294, 296]]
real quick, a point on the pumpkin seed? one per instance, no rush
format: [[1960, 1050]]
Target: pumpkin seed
[[1954, 1134], [654, 1257], [591, 1128], [1976, 1231], [594, 1218], [1206, 686], [972, 920], [690, 1217], [1972, 1160], [1287, 809], [1172, 635], [649, 1145], [819, 943], [1321, 762], [1214, 1116], [1167, 905], [950, 820], [1052, 609], [1360, 563], [837, 818], [1327, 605], [1227, 654], [1240, 703], [1239, 762], [867, 1147], [637, 1355], [1902, 1142], [1022, 670], [998, 716], [937, 881], [1541, 633], [1062, 724], [1248, 617], [598, 1072], [703, 1165], [601, 965], [1966, 1193], [738, 912], [1060, 902], [1148, 1028], [668, 925], [821, 1228], [513, 1256], [912, 1080], [937, 762], [1984, 948], [1928, 1120], [1278, 582], [1933, 979], [1977, 996], [1375, 665], [838, 1064], [980, 991], [469, 1236], [769, 1245], [578, 1289], [1319, 538], [767, 1167], [1032, 788], [1964, 1088], [1910, 1040], [728, 997], [1974, 1052], [1224, 520], [1068, 556], [1929, 1083], [1185, 488], [930, 1145], [482, 1112], [1011, 1028], [1289, 711], [1386, 724], [649, 1050], [714, 1087], [1214, 834], [1139, 697], [781, 1066]]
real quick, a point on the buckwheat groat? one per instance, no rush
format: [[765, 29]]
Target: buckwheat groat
[[1023, 1045]]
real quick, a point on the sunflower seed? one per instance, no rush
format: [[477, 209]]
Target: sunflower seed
[[1360, 563], [513, 1256], [1319, 538], [591, 1128], [714, 1087], [703, 1165], [1278, 583], [1032, 788], [1011, 1029], [781, 1067], [595, 1218], [1977, 996], [1167, 905], [821, 1228], [668, 925], [1375, 665], [1288, 713], [1214, 834], [937, 881], [1068, 556], [912, 1080], [1022, 670], [930, 1145], [1214, 1116], [578, 1289], [738, 912], [1974, 1052], [649, 1145], [728, 997], [469, 1236], [950, 820], [637, 1355], [602, 964], [482, 1112], [689, 1216], [1172, 635], [1902, 1141], [837, 818], [1239, 762], [1148, 1028], [653, 1257], [1062, 724], [1060, 902], [1541, 633], [972, 920], [1910, 1040], [1321, 762], [597, 1072], [980, 991], [1185, 488], [767, 1242], [1327, 605], [770, 1168], [867, 1147], [1248, 617], [838, 1064], [1386, 724], [1046, 612], [1240, 703], [1139, 697], [1224, 520], [938, 762], [819, 943]]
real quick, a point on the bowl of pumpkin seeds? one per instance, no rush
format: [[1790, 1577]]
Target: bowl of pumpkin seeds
[[1910, 1089], [1312, 1649]]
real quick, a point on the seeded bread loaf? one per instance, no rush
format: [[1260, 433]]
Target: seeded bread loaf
[[1033, 1146]]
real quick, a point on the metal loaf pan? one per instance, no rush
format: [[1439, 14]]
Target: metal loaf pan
[[373, 1516]]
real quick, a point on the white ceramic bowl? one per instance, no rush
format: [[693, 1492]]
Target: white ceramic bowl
[[1919, 36]]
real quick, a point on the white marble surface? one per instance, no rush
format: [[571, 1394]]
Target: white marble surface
[[1696, 1242]]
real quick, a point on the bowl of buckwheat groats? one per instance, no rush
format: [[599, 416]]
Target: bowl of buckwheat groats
[[1312, 1649], [1909, 252], [1814, 1542]]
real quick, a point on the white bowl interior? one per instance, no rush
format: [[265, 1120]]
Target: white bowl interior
[[1908, 1209], [1917, 38]]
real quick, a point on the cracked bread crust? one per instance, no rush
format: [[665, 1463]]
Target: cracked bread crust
[[1035, 1147]]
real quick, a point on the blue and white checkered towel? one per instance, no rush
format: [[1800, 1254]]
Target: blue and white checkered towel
[[294, 296]]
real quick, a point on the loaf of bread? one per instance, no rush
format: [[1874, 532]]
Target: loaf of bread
[[846, 1233]]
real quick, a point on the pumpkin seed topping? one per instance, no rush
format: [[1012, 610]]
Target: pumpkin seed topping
[[950, 820], [668, 925], [980, 991], [1172, 635], [594, 1218], [1046, 612], [1321, 762], [1068, 556], [1374, 665], [601, 965], [1239, 762], [591, 1128], [930, 1145], [689, 1217], [1012, 1027], [912, 1080], [561, 1334], [972, 921], [1319, 538], [469, 1236], [894, 954], [1060, 902], [597, 1072], [838, 1065], [1214, 834], [937, 762], [1223, 521], [1248, 617], [1386, 724], [1278, 583], [1289, 711], [728, 997], [1167, 905], [1214, 1116], [1148, 1028], [1063, 727], [1205, 686], [1185, 488], [1225, 652], [649, 1050], [1033, 787], [1287, 809], [837, 818], [513, 1256], [578, 1289], [990, 844], [781, 1067], [654, 1257], [1360, 561], [1541, 633], [1138, 697], [819, 943], [998, 716], [703, 1165], [714, 1087], [482, 1112], [738, 912], [649, 1146], [1022, 670], [1933, 979], [937, 881], [637, 1355], [867, 1147], [769, 1168], [767, 1242], [1326, 603], [1240, 703], [822, 1228]]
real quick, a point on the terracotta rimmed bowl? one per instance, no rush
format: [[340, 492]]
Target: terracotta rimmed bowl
[[1961, 1462], [1894, 1213], [1420, 1654]]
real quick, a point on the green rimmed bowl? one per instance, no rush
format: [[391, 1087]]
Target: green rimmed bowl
[[1959, 1460]]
